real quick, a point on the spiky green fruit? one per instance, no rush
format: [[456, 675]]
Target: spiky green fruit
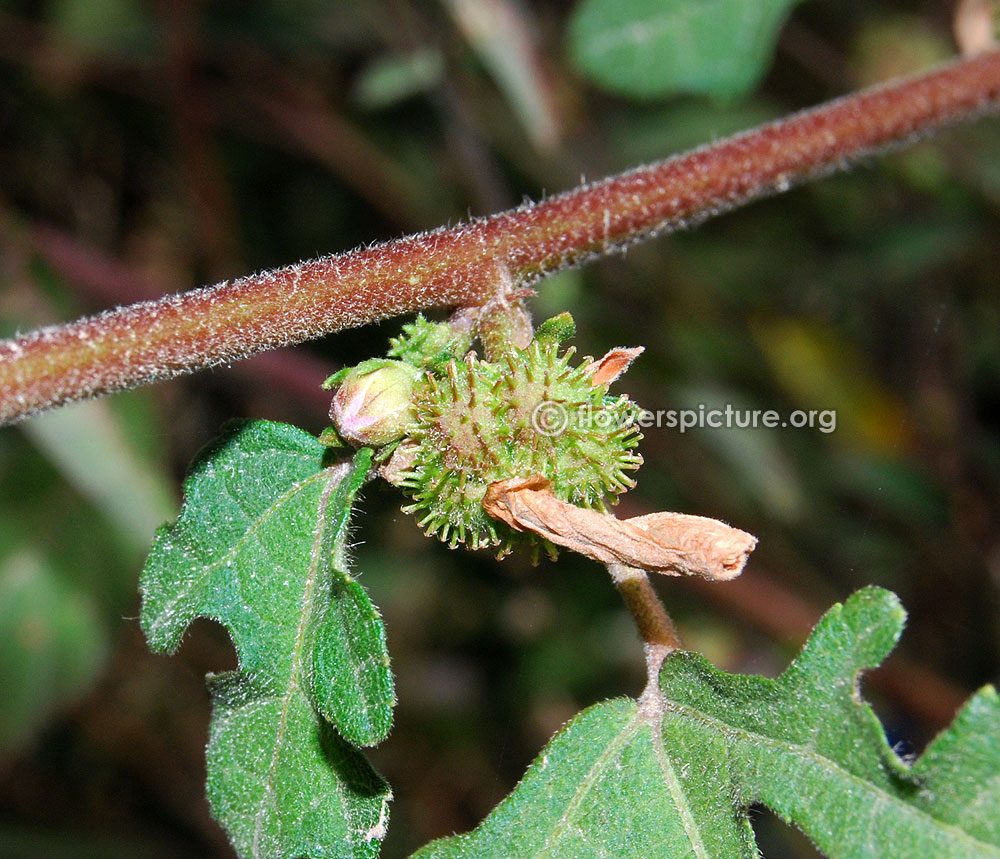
[[529, 413], [450, 426]]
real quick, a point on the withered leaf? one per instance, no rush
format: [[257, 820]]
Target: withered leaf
[[676, 544]]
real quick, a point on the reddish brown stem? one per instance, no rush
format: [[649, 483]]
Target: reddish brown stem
[[179, 334], [656, 628]]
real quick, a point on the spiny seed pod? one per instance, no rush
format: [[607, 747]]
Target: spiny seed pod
[[529, 413], [372, 403]]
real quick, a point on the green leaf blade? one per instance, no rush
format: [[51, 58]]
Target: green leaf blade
[[269, 755], [804, 744], [810, 749], [246, 486], [653, 48], [599, 789], [959, 773], [352, 683], [258, 546]]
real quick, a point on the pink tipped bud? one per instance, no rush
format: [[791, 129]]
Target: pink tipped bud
[[372, 404]]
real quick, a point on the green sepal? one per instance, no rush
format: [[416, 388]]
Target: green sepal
[[366, 366], [332, 381], [557, 330], [330, 438]]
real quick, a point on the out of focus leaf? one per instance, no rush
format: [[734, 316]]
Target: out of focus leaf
[[639, 134], [652, 48], [98, 25], [894, 45], [52, 643], [87, 444], [391, 79], [67, 574], [498, 31], [898, 487], [754, 454], [824, 373]]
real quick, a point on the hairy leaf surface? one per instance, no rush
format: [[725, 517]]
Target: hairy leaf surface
[[259, 546], [650, 48], [625, 778]]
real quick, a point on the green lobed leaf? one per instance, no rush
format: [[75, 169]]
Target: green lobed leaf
[[651, 48], [260, 546], [599, 789], [804, 744]]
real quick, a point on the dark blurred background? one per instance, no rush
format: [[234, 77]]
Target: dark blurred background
[[150, 147]]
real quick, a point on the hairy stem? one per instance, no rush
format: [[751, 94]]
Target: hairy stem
[[162, 339], [656, 629]]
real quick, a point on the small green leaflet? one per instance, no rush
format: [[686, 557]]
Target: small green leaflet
[[653, 48], [260, 547], [618, 781]]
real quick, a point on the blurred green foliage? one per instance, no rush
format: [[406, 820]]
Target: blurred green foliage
[[81, 503], [168, 145], [652, 48]]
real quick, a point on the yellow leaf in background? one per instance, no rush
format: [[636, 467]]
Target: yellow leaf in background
[[819, 371]]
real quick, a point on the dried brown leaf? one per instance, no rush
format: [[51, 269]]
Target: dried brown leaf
[[676, 544]]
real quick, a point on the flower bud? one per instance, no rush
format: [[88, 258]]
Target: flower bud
[[372, 403]]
